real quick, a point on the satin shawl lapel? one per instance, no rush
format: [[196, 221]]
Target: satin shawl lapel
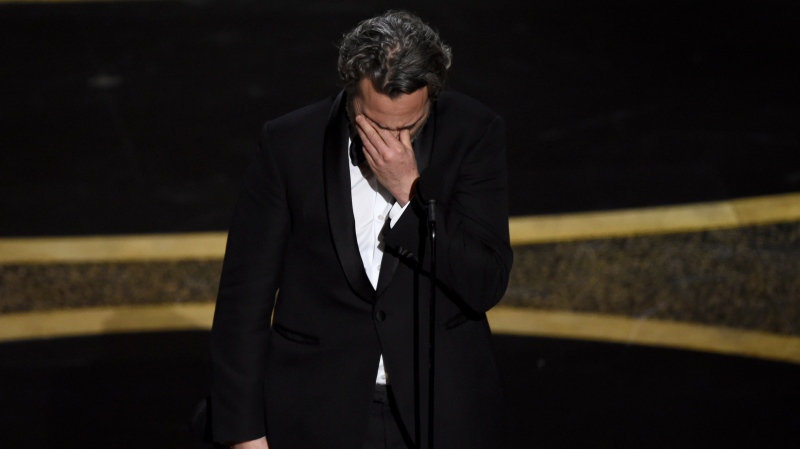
[[339, 201], [423, 150]]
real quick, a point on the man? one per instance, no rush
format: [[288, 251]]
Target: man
[[330, 246]]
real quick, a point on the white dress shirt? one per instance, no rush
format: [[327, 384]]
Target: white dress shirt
[[372, 204]]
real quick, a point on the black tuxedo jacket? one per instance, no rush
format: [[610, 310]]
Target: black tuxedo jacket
[[306, 380]]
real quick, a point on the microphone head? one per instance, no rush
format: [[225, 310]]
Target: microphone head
[[431, 210]]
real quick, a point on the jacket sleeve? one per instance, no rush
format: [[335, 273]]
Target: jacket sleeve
[[250, 279], [474, 255]]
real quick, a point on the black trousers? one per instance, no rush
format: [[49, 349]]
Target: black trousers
[[384, 425]]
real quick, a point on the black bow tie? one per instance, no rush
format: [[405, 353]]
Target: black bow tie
[[356, 150]]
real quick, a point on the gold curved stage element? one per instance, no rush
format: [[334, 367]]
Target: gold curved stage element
[[504, 320], [524, 231], [656, 220]]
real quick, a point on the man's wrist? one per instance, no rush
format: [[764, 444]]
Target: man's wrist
[[404, 200]]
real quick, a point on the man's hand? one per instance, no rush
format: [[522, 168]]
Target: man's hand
[[391, 157], [260, 443]]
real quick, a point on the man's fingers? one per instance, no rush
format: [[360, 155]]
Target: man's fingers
[[370, 153], [371, 141], [370, 130], [381, 135], [382, 144]]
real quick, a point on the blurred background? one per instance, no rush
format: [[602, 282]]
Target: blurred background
[[654, 156]]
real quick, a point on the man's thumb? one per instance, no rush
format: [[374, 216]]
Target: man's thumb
[[405, 137]]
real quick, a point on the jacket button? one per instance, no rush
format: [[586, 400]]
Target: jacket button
[[380, 315]]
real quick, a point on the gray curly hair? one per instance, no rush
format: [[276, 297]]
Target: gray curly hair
[[398, 52]]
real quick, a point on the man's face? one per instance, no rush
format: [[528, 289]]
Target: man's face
[[407, 111]]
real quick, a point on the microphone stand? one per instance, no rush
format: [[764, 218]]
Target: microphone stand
[[432, 325]]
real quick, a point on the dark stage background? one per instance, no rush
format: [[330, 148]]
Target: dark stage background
[[138, 390], [131, 117], [140, 117]]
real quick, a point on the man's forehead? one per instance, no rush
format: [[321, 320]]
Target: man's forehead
[[400, 112], [405, 125]]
